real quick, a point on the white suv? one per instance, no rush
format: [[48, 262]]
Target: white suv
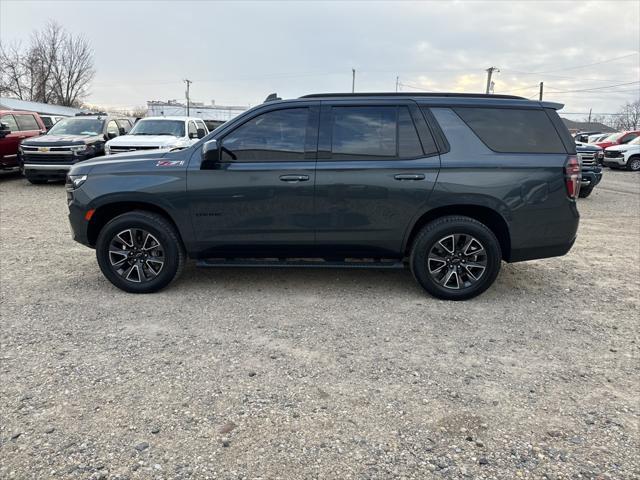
[[152, 133], [621, 156]]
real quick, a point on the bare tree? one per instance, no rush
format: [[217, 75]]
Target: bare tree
[[629, 116], [56, 67]]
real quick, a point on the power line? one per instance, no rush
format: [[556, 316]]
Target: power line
[[588, 64], [596, 88]]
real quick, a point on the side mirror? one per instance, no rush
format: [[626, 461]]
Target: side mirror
[[210, 155], [122, 132], [4, 130], [201, 133], [111, 135]]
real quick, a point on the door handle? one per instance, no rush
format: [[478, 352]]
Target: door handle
[[409, 176], [294, 178]]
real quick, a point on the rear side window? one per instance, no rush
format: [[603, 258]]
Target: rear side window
[[272, 136], [511, 130], [10, 122], [27, 122], [361, 133]]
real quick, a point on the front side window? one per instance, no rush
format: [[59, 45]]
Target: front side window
[[10, 122], [273, 136], [48, 122], [193, 131], [112, 129], [125, 125], [158, 127], [27, 122], [512, 130], [78, 126]]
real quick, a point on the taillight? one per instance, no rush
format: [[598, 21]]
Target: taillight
[[572, 176]]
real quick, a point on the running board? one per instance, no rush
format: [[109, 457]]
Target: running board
[[300, 262]]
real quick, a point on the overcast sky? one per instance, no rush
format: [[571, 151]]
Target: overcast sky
[[238, 52]]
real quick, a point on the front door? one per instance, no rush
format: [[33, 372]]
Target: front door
[[377, 165], [258, 199]]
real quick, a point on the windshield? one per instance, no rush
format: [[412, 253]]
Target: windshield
[[158, 127], [77, 126], [613, 137]]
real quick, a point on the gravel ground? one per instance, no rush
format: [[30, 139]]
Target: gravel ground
[[242, 373]]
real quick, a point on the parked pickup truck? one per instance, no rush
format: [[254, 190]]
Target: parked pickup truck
[[590, 158], [624, 156], [163, 133]]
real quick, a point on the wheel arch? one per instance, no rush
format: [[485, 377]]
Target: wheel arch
[[107, 212], [486, 215]]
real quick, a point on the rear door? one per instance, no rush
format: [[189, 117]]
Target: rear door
[[377, 165], [259, 197], [28, 125]]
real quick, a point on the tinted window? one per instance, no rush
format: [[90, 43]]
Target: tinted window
[[47, 121], [408, 141], [10, 122], [277, 135], [513, 130], [628, 137], [359, 132], [157, 126], [27, 122]]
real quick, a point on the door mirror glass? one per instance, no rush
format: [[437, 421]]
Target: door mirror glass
[[210, 155]]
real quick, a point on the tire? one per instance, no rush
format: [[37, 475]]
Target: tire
[[440, 237], [146, 237], [585, 192], [37, 181], [634, 164]]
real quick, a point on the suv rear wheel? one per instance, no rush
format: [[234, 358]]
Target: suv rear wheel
[[140, 252], [455, 258]]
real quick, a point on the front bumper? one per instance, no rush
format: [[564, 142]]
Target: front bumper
[[615, 161], [591, 178]]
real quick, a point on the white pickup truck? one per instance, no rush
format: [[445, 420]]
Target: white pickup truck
[[152, 133]]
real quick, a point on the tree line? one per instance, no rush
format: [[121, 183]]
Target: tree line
[[54, 67]]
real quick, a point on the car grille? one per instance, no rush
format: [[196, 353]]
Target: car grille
[[47, 158], [612, 154], [120, 149], [588, 159]]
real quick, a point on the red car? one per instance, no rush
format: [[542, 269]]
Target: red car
[[619, 138], [15, 126]]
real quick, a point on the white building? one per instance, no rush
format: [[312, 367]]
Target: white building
[[213, 112]]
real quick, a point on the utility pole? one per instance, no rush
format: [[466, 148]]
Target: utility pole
[[397, 82], [590, 115], [188, 82], [541, 89], [490, 71], [353, 80]]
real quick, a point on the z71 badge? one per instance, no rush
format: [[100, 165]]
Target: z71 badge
[[170, 163]]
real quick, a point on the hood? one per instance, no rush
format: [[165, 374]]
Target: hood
[[587, 147], [161, 141], [55, 140], [127, 161], [624, 146]]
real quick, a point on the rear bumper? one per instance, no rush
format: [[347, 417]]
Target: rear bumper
[[533, 253]]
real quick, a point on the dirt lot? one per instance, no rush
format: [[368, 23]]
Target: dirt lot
[[318, 374]]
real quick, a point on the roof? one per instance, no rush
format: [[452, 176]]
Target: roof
[[44, 108], [587, 126], [171, 117]]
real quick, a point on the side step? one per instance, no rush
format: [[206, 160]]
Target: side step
[[385, 263]]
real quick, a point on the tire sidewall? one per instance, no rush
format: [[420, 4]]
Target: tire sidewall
[[631, 162], [158, 230], [425, 242]]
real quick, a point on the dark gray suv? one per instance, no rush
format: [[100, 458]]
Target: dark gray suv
[[449, 185]]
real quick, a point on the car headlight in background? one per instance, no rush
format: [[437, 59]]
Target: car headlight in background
[[107, 150], [78, 149], [75, 181]]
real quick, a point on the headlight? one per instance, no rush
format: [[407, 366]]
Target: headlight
[[107, 150], [76, 181], [79, 149]]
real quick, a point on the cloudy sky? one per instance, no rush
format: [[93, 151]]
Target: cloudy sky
[[587, 53]]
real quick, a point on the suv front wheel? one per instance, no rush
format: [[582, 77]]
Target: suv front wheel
[[140, 252], [455, 258]]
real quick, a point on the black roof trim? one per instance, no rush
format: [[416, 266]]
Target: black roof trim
[[411, 94]]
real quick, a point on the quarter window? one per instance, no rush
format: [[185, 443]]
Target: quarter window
[[408, 142], [272, 136], [511, 130], [27, 122]]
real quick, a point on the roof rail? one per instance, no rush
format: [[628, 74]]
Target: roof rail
[[91, 114], [410, 94]]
